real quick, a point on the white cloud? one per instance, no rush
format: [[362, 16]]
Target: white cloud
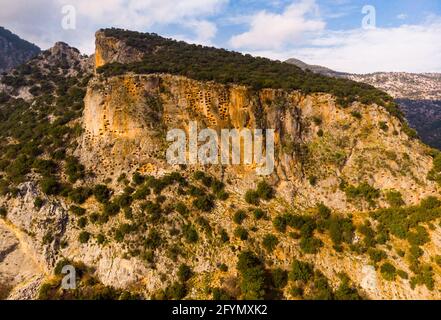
[[402, 16], [411, 48], [274, 31], [40, 21]]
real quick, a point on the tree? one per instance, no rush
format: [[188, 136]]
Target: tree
[[252, 276]]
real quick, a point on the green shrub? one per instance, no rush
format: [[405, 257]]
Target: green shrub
[[252, 276], [301, 271], [78, 211], [252, 197], [265, 191], [395, 199], [111, 209], [388, 271], [101, 193], [279, 278], [310, 245], [270, 242], [79, 195], [3, 212], [241, 233], [184, 273], [376, 255], [258, 214], [345, 290], [82, 222], [50, 186], [224, 236], [74, 169], [176, 291], [38, 203], [204, 203], [84, 237], [356, 115], [280, 223], [190, 233], [363, 191], [239, 216]]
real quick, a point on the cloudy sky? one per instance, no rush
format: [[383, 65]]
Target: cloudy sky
[[347, 35]]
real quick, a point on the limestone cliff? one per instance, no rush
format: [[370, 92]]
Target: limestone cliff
[[102, 193]]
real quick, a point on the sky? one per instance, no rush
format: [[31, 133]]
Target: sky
[[357, 36]]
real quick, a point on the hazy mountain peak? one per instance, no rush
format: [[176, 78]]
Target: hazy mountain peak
[[14, 50]]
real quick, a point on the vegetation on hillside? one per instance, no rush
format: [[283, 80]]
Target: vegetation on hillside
[[210, 64]]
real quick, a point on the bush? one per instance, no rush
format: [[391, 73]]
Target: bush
[[137, 178], [79, 195], [82, 222], [310, 245], [78, 211], [280, 223], [204, 203], [279, 278], [388, 271], [176, 291], [50, 186], [74, 169], [239, 217], [224, 236], [301, 271], [265, 191], [184, 273], [101, 193], [395, 199], [84, 237], [241, 233], [363, 191], [258, 214], [270, 242], [323, 211], [376, 255], [190, 234], [252, 197], [252, 276], [111, 209], [38, 203]]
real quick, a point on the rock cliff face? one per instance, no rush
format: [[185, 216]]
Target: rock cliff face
[[136, 235], [126, 119], [108, 50]]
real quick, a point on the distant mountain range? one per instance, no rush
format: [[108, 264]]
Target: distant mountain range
[[418, 94], [14, 50]]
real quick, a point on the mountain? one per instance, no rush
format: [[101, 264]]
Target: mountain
[[418, 95], [350, 211], [14, 50], [316, 68]]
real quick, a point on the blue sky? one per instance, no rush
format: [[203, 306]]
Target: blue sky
[[406, 36]]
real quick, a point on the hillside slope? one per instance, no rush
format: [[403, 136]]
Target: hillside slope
[[418, 95], [14, 51], [350, 211]]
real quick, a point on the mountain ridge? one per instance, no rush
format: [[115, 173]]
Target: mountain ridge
[[14, 50]]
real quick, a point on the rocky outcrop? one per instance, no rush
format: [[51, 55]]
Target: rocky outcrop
[[126, 119], [109, 50]]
